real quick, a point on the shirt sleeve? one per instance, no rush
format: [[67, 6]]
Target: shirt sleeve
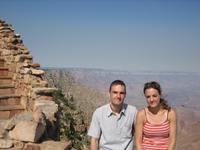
[[94, 129]]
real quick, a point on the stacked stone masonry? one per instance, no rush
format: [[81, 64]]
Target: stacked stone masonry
[[25, 98]]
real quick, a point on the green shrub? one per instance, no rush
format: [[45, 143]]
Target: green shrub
[[67, 121]]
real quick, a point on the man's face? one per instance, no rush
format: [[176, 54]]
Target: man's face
[[117, 95]]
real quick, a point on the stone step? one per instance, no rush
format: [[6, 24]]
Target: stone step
[[5, 80], [11, 99], [9, 111], [2, 62], [4, 68], [11, 107], [5, 77], [5, 86], [4, 71], [3, 123], [7, 89], [6, 29]]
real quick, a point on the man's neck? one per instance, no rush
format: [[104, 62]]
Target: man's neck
[[116, 109]]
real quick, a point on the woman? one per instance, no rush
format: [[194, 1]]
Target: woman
[[155, 124]]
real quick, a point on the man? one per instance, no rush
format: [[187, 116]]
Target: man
[[112, 125]]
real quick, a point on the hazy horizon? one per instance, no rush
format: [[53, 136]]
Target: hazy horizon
[[128, 71]]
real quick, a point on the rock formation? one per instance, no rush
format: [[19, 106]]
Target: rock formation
[[26, 101]]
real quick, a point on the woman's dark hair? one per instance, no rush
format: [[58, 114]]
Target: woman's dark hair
[[156, 85]]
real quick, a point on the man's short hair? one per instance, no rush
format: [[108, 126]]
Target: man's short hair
[[117, 82]]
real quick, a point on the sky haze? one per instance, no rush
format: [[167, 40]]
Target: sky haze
[[155, 35]]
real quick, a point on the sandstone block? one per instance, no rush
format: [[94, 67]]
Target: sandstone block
[[2, 132], [32, 146], [4, 144], [6, 52], [44, 90], [25, 64], [21, 58], [26, 71], [10, 124], [35, 65], [39, 84], [38, 116], [25, 50], [28, 131], [49, 108], [37, 72], [58, 145], [18, 145]]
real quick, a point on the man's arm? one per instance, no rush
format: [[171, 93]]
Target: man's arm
[[94, 131], [94, 143]]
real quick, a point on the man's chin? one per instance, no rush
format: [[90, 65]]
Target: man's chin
[[118, 104]]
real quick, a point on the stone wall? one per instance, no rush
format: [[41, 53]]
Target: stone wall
[[26, 75], [36, 98]]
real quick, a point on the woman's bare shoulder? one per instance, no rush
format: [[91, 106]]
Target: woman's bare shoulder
[[172, 113], [141, 112]]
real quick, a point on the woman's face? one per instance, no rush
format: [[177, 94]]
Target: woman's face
[[153, 97]]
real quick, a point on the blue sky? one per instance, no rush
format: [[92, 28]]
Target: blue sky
[[155, 35]]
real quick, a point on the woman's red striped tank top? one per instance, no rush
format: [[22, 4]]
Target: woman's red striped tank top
[[155, 136]]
